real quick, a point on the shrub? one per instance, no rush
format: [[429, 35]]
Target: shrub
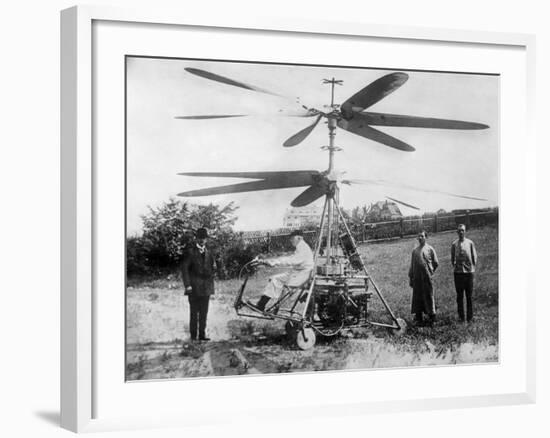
[[136, 257], [235, 254], [169, 228]]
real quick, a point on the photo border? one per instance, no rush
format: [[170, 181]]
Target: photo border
[[78, 200]]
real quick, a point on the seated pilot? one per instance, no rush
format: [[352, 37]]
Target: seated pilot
[[302, 265]]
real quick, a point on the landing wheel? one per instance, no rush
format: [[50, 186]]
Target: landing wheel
[[305, 338], [402, 328], [290, 329]]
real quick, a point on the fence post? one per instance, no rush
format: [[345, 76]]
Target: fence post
[[363, 233], [435, 223], [467, 219], [401, 228], [268, 243]]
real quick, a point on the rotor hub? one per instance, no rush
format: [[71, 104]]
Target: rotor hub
[[332, 148]]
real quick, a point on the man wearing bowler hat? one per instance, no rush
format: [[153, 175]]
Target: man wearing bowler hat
[[198, 269]]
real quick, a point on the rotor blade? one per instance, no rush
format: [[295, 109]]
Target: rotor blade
[[252, 186], [302, 112], [224, 80], [219, 116], [372, 93], [381, 119], [308, 196], [270, 180], [403, 203], [281, 113], [290, 175], [380, 182], [301, 135], [359, 127]]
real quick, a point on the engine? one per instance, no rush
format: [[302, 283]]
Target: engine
[[340, 305]]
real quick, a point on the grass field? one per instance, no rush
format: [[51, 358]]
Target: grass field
[[157, 323], [388, 264]]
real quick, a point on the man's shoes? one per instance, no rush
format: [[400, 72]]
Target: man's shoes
[[431, 321], [260, 305], [204, 339]]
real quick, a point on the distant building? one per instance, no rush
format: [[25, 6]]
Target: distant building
[[383, 211], [302, 216]]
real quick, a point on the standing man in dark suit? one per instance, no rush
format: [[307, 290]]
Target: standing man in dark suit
[[198, 269]]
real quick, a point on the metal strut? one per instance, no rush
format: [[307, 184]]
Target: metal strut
[[315, 257], [356, 252]]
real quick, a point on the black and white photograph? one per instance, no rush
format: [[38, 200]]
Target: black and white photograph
[[244, 219], [288, 218]]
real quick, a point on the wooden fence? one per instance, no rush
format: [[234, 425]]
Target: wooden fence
[[278, 240]]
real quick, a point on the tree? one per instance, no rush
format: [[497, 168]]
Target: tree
[[358, 215], [169, 227]]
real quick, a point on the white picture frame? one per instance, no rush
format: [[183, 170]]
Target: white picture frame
[[80, 166]]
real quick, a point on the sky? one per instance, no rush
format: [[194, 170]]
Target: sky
[[160, 146]]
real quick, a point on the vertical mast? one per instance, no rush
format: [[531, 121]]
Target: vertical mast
[[330, 198], [331, 148]]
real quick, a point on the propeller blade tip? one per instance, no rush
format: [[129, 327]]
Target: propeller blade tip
[[403, 77]]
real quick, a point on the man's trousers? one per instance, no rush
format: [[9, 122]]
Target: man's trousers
[[464, 285], [276, 282], [198, 306]]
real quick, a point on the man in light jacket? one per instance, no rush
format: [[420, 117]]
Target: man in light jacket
[[423, 265], [464, 260], [302, 264]]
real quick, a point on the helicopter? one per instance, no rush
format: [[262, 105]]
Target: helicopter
[[338, 294]]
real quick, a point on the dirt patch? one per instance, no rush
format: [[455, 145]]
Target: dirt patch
[[242, 346], [227, 358]]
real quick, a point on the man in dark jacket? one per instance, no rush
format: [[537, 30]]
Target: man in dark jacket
[[198, 279]]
